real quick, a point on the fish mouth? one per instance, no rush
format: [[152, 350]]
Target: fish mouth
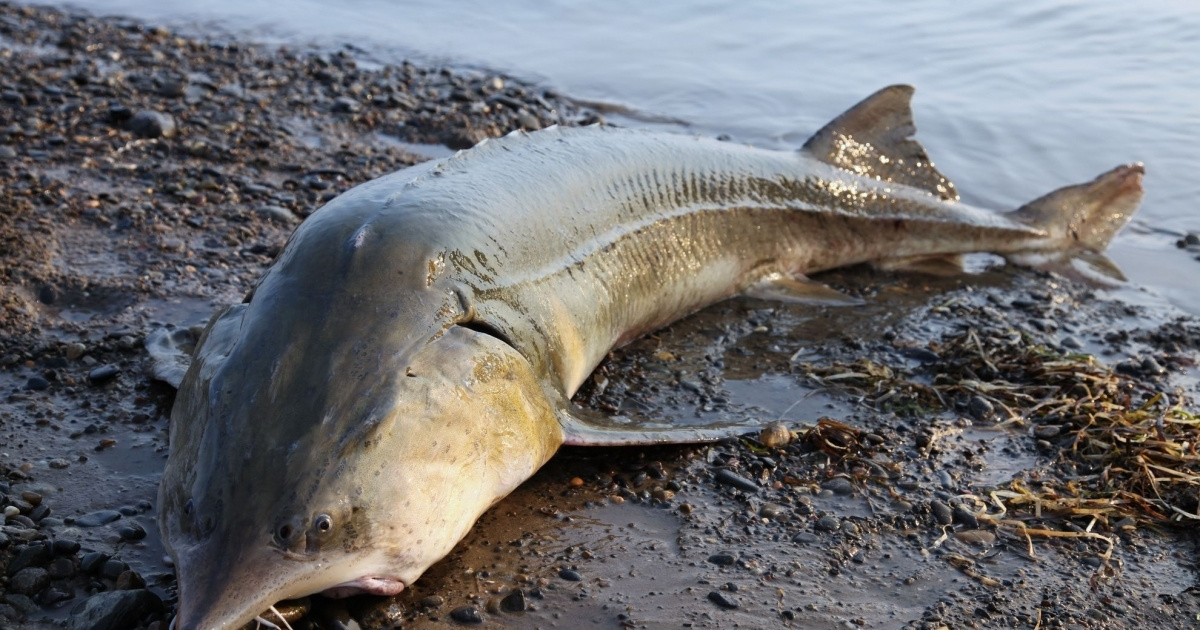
[[368, 585]]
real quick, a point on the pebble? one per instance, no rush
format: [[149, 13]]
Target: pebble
[[730, 478], [151, 124], [941, 512], [839, 485], [806, 538], [827, 524], [62, 567], [773, 511], [1192, 239], [1047, 431], [723, 559], [113, 610], [98, 518], [976, 537], [276, 214], [103, 374], [129, 580], [964, 517], [723, 600], [981, 408], [65, 547], [432, 601], [570, 575], [466, 614], [34, 555], [37, 383], [93, 561], [7, 152], [29, 581], [775, 435], [133, 531], [113, 569], [345, 105], [514, 601]]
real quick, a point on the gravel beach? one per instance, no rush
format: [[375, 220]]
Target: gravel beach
[[936, 458]]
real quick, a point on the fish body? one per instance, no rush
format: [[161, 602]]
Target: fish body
[[410, 357]]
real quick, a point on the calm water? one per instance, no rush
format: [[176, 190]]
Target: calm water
[[1013, 99]]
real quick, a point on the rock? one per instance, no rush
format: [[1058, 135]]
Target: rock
[[113, 569], [276, 214], [976, 537], [774, 435], [980, 408], [29, 581], [7, 152], [35, 555], [514, 602], [965, 518], [1047, 431], [151, 124], [724, 559], [723, 600], [65, 547], [432, 601], [941, 512], [570, 575], [345, 105], [805, 538], [129, 580], [839, 485], [114, 610], [98, 518], [773, 511], [132, 531], [1192, 239], [827, 524], [466, 614], [93, 561], [103, 374], [62, 567], [730, 478], [36, 384]]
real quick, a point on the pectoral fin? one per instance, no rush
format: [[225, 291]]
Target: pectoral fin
[[781, 288], [584, 427], [1087, 267]]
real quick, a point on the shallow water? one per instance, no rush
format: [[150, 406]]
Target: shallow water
[[1014, 99]]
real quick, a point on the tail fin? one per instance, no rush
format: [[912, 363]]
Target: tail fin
[[1079, 222]]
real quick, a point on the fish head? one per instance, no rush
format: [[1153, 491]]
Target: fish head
[[311, 465]]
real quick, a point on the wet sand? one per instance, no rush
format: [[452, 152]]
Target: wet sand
[[147, 178]]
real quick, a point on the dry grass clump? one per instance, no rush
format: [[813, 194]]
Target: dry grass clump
[[1125, 450]]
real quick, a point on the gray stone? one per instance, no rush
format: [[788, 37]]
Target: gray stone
[[98, 518], [151, 124], [29, 581], [115, 610], [730, 478], [839, 485]]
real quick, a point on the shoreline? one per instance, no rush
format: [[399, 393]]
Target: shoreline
[[147, 177]]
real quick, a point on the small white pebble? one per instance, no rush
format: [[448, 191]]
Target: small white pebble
[[11, 511]]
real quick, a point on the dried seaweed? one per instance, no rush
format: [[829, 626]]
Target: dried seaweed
[[1125, 451]]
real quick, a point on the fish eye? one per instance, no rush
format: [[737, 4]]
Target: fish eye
[[323, 523], [189, 507]]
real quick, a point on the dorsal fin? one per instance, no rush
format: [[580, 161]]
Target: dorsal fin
[[874, 139]]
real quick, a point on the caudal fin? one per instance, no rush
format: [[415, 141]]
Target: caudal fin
[[1079, 222]]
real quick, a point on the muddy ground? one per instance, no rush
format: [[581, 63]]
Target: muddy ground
[[148, 177]]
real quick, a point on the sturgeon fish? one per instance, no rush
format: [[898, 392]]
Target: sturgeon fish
[[410, 357]]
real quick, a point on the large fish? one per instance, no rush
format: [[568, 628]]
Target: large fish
[[410, 357]]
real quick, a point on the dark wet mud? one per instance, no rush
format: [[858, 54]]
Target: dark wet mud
[[879, 509]]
